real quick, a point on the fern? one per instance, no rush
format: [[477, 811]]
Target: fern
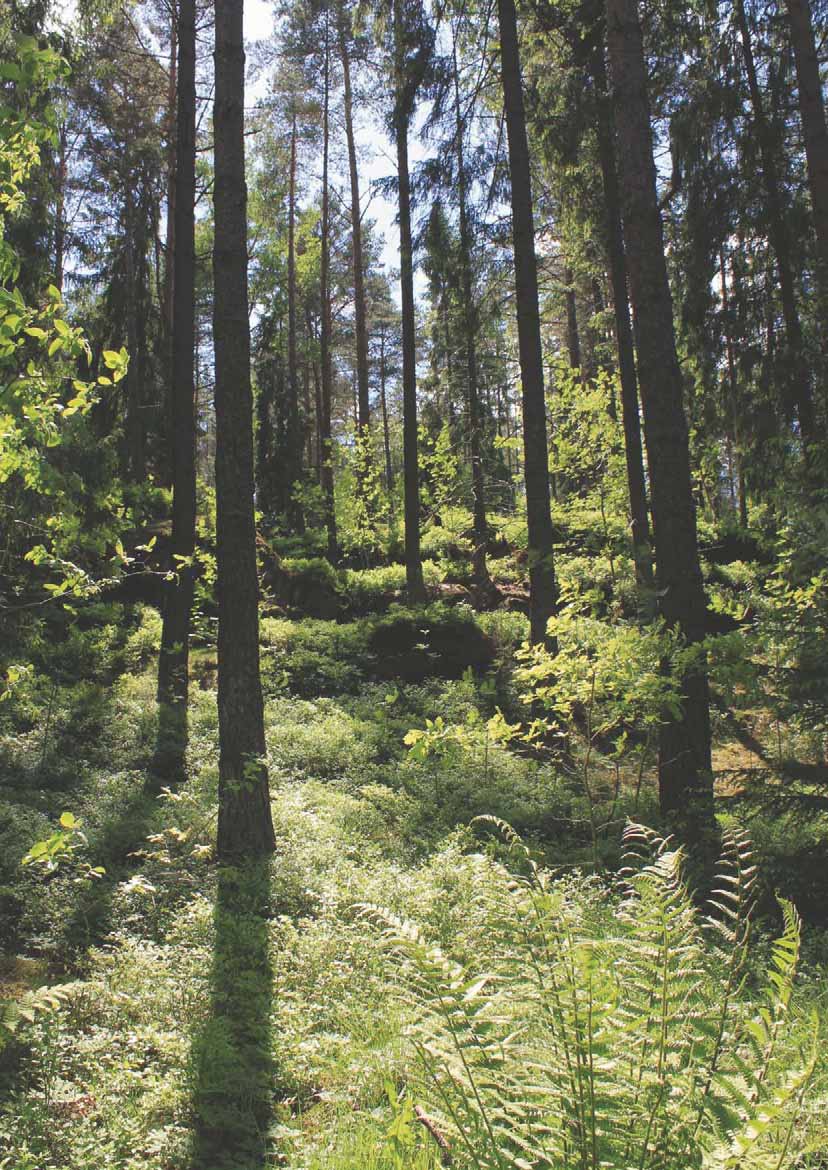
[[584, 1047], [27, 1009]]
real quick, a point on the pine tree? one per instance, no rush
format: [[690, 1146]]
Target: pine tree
[[245, 825]]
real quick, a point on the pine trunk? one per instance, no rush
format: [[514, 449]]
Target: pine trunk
[[685, 772], [634, 454], [481, 528], [799, 394], [173, 666], [325, 439], [360, 312], [294, 443], [244, 820], [415, 586], [542, 584], [815, 133]]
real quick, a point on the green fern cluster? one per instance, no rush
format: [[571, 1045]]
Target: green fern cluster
[[14, 1012], [638, 1045]]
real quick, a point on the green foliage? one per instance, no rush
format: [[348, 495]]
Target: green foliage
[[615, 1038]]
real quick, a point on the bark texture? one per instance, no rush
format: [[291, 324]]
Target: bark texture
[[815, 133], [633, 450], [173, 665], [685, 774], [415, 586], [799, 393], [542, 584], [244, 821]]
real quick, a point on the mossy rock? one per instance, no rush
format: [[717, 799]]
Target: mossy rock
[[437, 641]]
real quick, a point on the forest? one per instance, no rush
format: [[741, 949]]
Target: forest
[[413, 585]]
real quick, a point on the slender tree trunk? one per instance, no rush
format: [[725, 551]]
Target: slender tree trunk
[[173, 664], [134, 425], [60, 208], [543, 591], [294, 445], [733, 382], [244, 821], [685, 772], [573, 337], [815, 133], [633, 451], [800, 392], [325, 324], [169, 245], [481, 528], [360, 309], [415, 587], [386, 436]]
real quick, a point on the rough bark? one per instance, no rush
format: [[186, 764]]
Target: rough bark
[[244, 820], [326, 443], [480, 526], [685, 775], [815, 133], [415, 586], [386, 434], [360, 308], [799, 392], [633, 451], [733, 387], [134, 438], [173, 664], [542, 584], [573, 337], [294, 444]]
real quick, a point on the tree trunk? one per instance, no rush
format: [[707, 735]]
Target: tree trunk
[[360, 310], [481, 528], [799, 393], [134, 384], [733, 384], [168, 322], [573, 338], [415, 586], [685, 773], [815, 133], [542, 585], [386, 435], [325, 439], [639, 520], [244, 820], [173, 664], [60, 208], [294, 443]]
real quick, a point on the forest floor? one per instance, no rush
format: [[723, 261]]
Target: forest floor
[[214, 1018]]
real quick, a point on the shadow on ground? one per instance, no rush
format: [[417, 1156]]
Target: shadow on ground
[[232, 1065]]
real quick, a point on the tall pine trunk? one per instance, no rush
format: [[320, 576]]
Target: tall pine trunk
[[685, 772], [415, 586], [325, 439], [633, 451], [815, 133], [799, 393], [173, 664], [169, 244], [481, 529], [573, 337], [542, 585], [294, 445], [360, 311], [244, 820]]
